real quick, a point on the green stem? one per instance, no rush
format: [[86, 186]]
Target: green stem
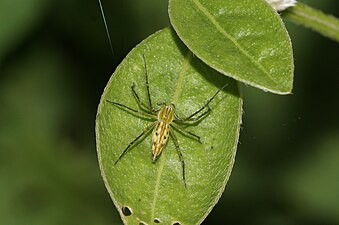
[[326, 25]]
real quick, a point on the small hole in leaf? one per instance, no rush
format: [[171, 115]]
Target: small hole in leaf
[[126, 211], [156, 221]]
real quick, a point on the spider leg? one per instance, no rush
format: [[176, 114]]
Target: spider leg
[[130, 110], [195, 119], [145, 131], [148, 106], [147, 83], [142, 105], [176, 143], [185, 132], [192, 116]]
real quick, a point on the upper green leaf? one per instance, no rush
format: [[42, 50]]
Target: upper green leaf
[[243, 39], [144, 191]]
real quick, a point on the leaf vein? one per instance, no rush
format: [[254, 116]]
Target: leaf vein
[[179, 85], [157, 186], [228, 36]]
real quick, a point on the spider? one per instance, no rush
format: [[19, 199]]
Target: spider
[[165, 122]]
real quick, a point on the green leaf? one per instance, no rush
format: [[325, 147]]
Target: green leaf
[[155, 190], [243, 39]]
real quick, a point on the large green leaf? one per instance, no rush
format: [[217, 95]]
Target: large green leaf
[[243, 39], [155, 191]]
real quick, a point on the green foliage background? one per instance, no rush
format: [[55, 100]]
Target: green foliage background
[[54, 63]]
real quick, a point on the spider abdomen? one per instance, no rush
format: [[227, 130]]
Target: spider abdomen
[[162, 130], [159, 138]]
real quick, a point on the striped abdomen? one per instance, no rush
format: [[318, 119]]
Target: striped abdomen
[[159, 138]]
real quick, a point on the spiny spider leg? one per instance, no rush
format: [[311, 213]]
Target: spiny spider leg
[[147, 84], [133, 111], [185, 132], [176, 143], [190, 118], [145, 131], [193, 120], [140, 103]]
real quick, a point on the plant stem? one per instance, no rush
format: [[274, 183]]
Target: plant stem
[[302, 14]]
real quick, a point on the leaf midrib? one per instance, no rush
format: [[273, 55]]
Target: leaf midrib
[[180, 81], [177, 93], [223, 32]]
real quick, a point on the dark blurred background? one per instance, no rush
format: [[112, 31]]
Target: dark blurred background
[[55, 61]]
